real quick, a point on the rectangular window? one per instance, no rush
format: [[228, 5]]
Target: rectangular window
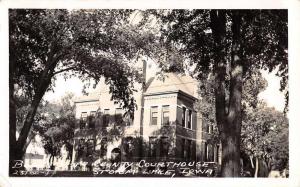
[[207, 128], [91, 119], [152, 147], [211, 129], [93, 113], [183, 116], [119, 110], [165, 115], [179, 116], [83, 115], [190, 120], [83, 120], [118, 116], [105, 117], [210, 152], [154, 115], [91, 122]]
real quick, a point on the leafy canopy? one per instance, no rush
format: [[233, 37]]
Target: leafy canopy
[[89, 44], [263, 42]]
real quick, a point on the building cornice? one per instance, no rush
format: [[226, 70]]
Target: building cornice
[[171, 92]]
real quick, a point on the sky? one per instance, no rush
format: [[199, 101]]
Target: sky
[[272, 95]]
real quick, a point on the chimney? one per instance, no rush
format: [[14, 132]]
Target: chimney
[[144, 70], [144, 74]]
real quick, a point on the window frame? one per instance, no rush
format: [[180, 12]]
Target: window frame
[[118, 115], [106, 117], [151, 115], [165, 109], [183, 116], [83, 120], [189, 122]]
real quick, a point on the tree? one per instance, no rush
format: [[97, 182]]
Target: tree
[[59, 128], [89, 44], [39, 122], [265, 134], [229, 45]]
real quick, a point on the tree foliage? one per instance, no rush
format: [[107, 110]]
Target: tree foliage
[[265, 132], [230, 46], [59, 128], [89, 44]]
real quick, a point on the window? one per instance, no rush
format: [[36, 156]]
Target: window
[[83, 120], [118, 116], [211, 129], [105, 117], [91, 122], [152, 147], [210, 153], [165, 115], [164, 147], [190, 120], [93, 113], [207, 127], [179, 116], [91, 119], [84, 116], [183, 116], [154, 115]]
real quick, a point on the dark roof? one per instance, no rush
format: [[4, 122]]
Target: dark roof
[[173, 82]]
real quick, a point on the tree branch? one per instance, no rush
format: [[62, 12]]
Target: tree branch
[[63, 70]]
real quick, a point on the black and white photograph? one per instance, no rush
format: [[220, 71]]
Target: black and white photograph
[[148, 93], [135, 93]]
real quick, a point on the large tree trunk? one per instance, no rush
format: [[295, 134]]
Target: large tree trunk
[[17, 148], [14, 153], [229, 123]]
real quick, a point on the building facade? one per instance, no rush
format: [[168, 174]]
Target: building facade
[[166, 125]]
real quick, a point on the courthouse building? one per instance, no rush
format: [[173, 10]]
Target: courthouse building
[[166, 125]]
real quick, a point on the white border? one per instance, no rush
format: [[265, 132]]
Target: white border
[[294, 71]]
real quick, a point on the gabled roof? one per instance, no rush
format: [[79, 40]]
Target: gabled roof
[[173, 82]]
